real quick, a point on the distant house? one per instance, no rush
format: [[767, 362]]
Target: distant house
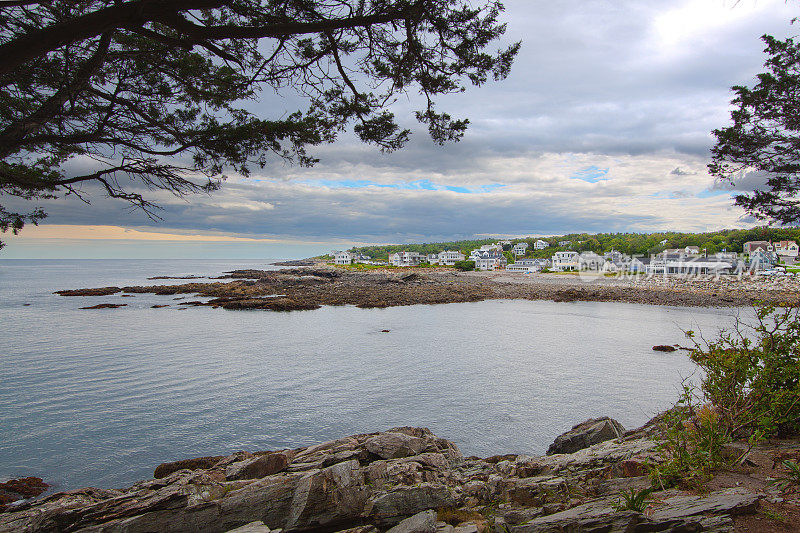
[[540, 245], [590, 261], [450, 257], [564, 243], [665, 241], [689, 251], [342, 258], [524, 265], [490, 261], [762, 259], [614, 256], [520, 248], [638, 264], [751, 246], [563, 261], [401, 259], [786, 248], [665, 264]]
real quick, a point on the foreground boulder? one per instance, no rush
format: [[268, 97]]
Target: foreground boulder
[[583, 435], [405, 480]]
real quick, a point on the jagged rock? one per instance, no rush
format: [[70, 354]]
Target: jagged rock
[[469, 527], [585, 434], [520, 516], [394, 445], [732, 501], [253, 527], [424, 522], [370, 482], [444, 527], [198, 463], [257, 467], [27, 487], [405, 501]]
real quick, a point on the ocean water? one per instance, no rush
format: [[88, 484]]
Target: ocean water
[[101, 397]]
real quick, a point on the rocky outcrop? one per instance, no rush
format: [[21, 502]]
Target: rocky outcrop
[[18, 489], [405, 480], [104, 306], [585, 434], [664, 348]]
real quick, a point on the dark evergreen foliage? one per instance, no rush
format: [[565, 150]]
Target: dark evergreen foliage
[[765, 137], [151, 94]]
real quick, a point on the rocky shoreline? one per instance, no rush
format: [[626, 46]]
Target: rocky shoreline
[[408, 480], [311, 287]]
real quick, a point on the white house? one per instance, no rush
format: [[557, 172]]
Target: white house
[[590, 261], [405, 259], [490, 261], [786, 248], [432, 259], [540, 245], [751, 246], [565, 261], [524, 265], [683, 265], [520, 248], [564, 243], [342, 258], [638, 264], [450, 257]]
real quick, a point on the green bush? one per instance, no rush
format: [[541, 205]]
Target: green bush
[[750, 389], [465, 266], [752, 374]]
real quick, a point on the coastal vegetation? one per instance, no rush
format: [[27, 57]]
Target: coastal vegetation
[[749, 391]]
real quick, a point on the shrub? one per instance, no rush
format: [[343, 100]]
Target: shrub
[[465, 266], [750, 389], [752, 378]]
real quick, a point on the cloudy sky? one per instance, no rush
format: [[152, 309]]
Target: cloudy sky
[[603, 125]]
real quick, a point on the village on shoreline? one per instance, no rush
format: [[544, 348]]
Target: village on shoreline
[[761, 257]]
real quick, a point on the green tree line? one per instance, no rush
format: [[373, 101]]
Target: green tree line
[[627, 243]]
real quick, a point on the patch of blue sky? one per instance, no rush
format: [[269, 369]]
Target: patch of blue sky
[[591, 174], [417, 185], [710, 193]]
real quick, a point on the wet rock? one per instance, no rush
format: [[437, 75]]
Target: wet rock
[[26, 487], [101, 291], [585, 434], [159, 306], [664, 348], [394, 445], [104, 306], [424, 522]]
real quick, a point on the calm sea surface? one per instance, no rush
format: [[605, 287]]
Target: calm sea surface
[[100, 397]]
